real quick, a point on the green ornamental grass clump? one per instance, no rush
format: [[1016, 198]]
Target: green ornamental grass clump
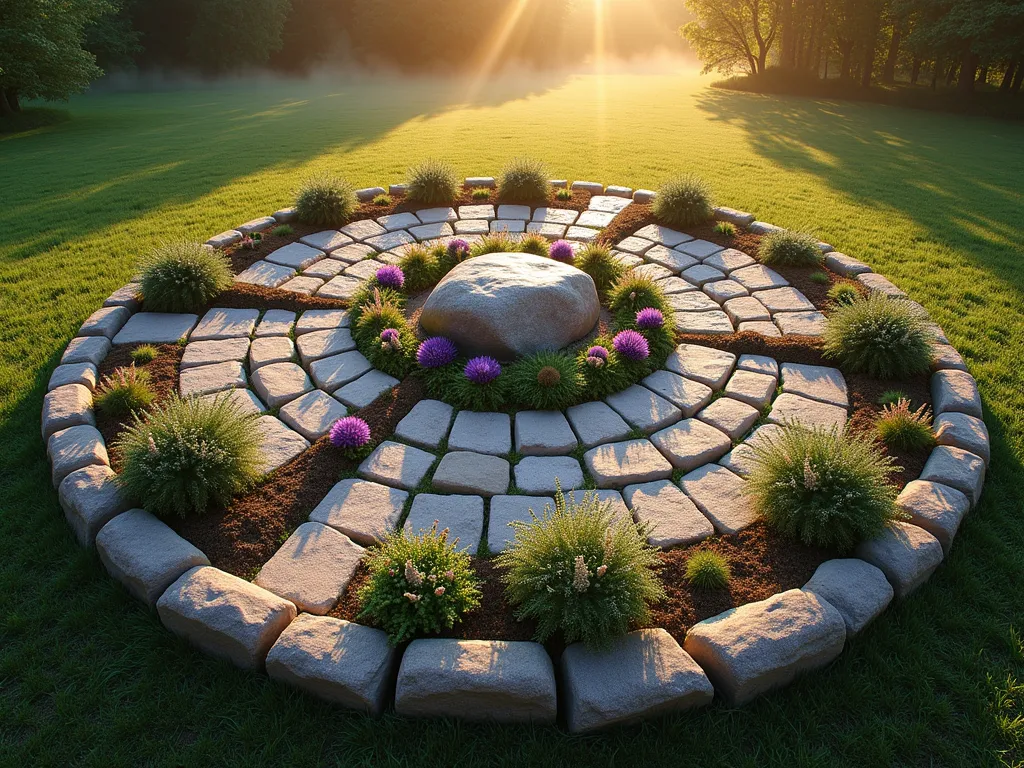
[[494, 242], [144, 353], [683, 202], [821, 278], [432, 182], [189, 455], [382, 200], [904, 429], [480, 194], [785, 248], [879, 336], [533, 243], [707, 569], [375, 310], [578, 569], [419, 584], [124, 391], [824, 488], [545, 381], [631, 293], [420, 266], [843, 292], [325, 199], [604, 373], [892, 396], [183, 277], [563, 195], [283, 230], [598, 262], [725, 229], [523, 179]]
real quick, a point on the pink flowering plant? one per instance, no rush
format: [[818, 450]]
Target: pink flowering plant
[[419, 584], [578, 569]]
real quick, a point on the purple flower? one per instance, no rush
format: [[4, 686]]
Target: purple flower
[[436, 351], [390, 276], [390, 338], [350, 432], [650, 318], [561, 250], [631, 345], [458, 249], [482, 370], [597, 357]]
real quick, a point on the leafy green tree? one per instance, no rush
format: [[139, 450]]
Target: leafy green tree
[[236, 34], [113, 39], [41, 53], [731, 34]]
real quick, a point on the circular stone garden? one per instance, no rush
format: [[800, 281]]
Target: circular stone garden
[[515, 449]]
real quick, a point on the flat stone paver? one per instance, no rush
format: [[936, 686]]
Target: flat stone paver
[[367, 388], [353, 253], [278, 383], [656, 233], [86, 349], [340, 287], [211, 378], [508, 509], [767, 328], [331, 373], [155, 328], [362, 510], [243, 400], [701, 249], [723, 290], [398, 221], [718, 493], [481, 433], [693, 301], [270, 349], [539, 474], [431, 231], [475, 473], [652, 271], [596, 423], [90, 499], [326, 241], [729, 260], [687, 395], [73, 448], [210, 352], [434, 215], [318, 344], [303, 284], [66, 406], [800, 323], [675, 518], [710, 367], [937, 508], [325, 269], [879, 284], [817, 382], [312, 414], [746, 309], [463, 516], [845, 265], [754, 389], [858, 590], [296, 256], [543, 433], [905, 553], [363, 229], [608, 499], [955, 391], [956, 468], [610, 203], [312, 568], [758, 364], [962, 431], [674, 261], [731, 416], [426, 425], [786, 299], [265, 274], [634, 244], [691, 443], [279, 444], [397, 465], [562, 216], [742, 458], [364, 270], [320, 320], [671, 285], [106, 321], [758, 277], [790, 408], [644, 409], [701, 274], [616, 465], [711, 323], [73, 373]]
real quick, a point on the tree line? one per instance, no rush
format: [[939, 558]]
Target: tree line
[[952, 42]]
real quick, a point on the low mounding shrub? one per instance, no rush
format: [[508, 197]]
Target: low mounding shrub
[[783, 247], [603, 372], [631, 293], [598, 262], [375, 308], [824, 488], [325, 199], [683, 202], [535, 244], [707, 569], [433, 181], [577, 569], [819, 277], [419, 584], [545, 381], [183, 277], [843, 292], [725, 229], [480, 194], [188, 455], [283, 230], [892, 396], [419, 266], [494, 242], [382, 200], [523, 179], [904, 429], [478, 386], [124, 391], [882, 337], [144, 353], [563, 195]]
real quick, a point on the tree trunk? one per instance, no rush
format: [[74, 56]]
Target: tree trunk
[[915, 72], [12, 99], [951, 74], [5, 107], [787, 56], [889, 72], [1011, 69], [869, 65], [845, 65], [968, 66], [1017, 78], [935, 74]]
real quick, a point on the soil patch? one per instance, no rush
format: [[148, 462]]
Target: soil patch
[[246, 296]]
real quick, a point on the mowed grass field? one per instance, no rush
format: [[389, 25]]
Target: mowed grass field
[[90, 677]]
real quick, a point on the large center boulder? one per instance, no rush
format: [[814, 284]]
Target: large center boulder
[[511, 304]]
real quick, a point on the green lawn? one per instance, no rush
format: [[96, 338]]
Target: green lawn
[[88, 676]]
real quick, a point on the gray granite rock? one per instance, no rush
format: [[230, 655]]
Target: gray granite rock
[[596, 423], [319, 344], [367, 388], [278, 443], [462, 516], [321, 320], [67, 406], [732, 417], [789, 408], [224, 239], [858, 590], [945, 357], [279, 383], [474, 473], [73, 448], [878, 284], [845, 265], [544, 474], [155, 328], [691, 443], [937, 508], [199, 353], [962, 431], [362, 510], [955, 391], [787, 299], [481, 433], [616, 465], [397, 465], [758, 364], [643, 409], [144, 554], [676, 520], [206, 379], [106, 321], [800, 323], [758, 277], [719, 494], [331, 373], [905, 553], [126, 296], [90, 498], [704, 364], [256, 225], [644, 196], [426, 425], [224, 616], [738, 218], [687, 395], [543, 433], [508, 509], [312, 414], [270, 349], [509, 682], [956, 468], [754, 389], [642, 674], [225, 324], [746, 309], [323, 242], [285, 215], [265, 274], [817, 382], [752, 649], [73, 373]]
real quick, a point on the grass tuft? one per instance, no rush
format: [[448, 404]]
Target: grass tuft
[[523, 179], [785, 248], [706, 569], [183, 277], [325, 199], [125, 391], [904, 429], [683, 202], [432, 182], [879, 336]]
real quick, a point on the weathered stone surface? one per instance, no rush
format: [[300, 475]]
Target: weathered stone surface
[[592, 187], [200, 353], [125, 296], [616, 465], [336, 660], [508, 509], [878, 284], [787, 299], [955, 391], [476, 212], [353, 253], [391, 240], [257, 225], [547, 229], [330, 373], [463, 516], [73, 373], [670, 238], [937, 508], [312, 568], [693, 301], [90, 499], [764, 228], [510, 226], [426, 424], [434, 215], [519, 212], [362, 510], [365, 269], [945, 357], [749, 650], [758, 364], [858, 590], [675, 261], [596, 423], [691, 443], [398, 221], [845, 265], [321, 320], [704, 364], [758, 277], [606, 498], [312, 414], [764, 328], [66, 406], [739, 218], [278, 444], [700, 249], [279, 383], [318, 344], [652, 271], [225, 324], [285, 215], [367, 388], [962, 431], [701, 274], [481, 433], [711, 323], [615, 200], [271, 349], [144, 554], [644, 673], [742, 458], [476, 473], [86, 349], [543, 433], [224, 615], [340, 287], [363, 229], [275, 322], [671, 285], [723, 290], [106, 321], [637, 245], [746, 309], [243, 400], [644, 409], [675, 518], [325, 269], [205, 379], [687, 395], [73, 448], [754, 389], [729, 260], [266, 274], [224, 239], [644, 196], [817, 382], [956, 468], [732, 417], [800, 323], [502, 681], [323, 242], [905, 553], [482, 305], [155, 328], [397, 465], [472, 227], [539, 474], [790, 408], [303, 284], [718, 493], [595, 219]]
